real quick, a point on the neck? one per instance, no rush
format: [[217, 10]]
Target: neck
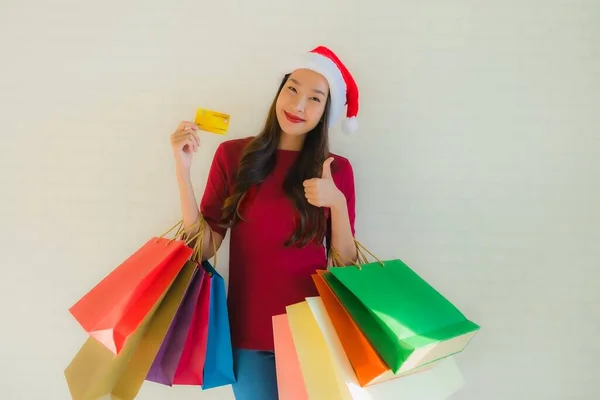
[[290, 142]]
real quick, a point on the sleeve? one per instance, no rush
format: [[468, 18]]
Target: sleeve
[[215, 192], [348, 189]]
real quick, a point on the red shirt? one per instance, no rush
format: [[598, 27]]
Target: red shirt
[[264, 275]]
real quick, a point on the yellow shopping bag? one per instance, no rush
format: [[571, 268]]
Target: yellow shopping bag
[[321, 378]]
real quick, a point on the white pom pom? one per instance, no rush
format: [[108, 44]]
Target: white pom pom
[[350, 125]]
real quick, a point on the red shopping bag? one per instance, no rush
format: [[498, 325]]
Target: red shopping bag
[[190, 370], [113, 309]]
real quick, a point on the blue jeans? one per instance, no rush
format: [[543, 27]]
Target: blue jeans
[[255, 375]]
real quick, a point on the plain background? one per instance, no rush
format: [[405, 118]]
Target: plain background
[[477, 161]]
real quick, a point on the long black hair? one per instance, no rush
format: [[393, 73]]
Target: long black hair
[[258, 160]]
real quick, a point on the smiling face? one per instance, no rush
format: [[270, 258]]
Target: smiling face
[[301, 102]]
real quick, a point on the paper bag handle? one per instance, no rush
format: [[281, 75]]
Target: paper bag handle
[[361, 257]]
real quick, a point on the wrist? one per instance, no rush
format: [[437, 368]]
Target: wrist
[[183, 175], [339, 203]]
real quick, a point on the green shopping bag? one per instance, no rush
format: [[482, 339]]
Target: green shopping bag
[[408, 322]]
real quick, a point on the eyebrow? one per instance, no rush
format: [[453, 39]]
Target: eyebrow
[[314, 90]]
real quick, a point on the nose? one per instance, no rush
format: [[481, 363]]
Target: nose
[[300, 103]]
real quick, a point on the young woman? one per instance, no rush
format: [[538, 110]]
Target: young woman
[[280, 194]]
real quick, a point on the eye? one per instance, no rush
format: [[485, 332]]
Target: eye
[[293, 89], [318, 100]]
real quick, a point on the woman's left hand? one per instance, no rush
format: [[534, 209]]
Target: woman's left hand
[[322, 192]]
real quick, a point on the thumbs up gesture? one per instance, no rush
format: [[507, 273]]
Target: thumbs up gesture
[[322, 192]]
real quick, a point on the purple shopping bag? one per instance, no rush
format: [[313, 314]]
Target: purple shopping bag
[[166, 361]]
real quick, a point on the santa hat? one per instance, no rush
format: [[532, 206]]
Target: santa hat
[[342, 87]]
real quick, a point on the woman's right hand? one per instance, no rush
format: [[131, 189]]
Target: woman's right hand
[[185, 141]]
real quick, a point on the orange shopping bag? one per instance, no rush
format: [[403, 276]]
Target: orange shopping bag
[[367, 364], [113, 309]]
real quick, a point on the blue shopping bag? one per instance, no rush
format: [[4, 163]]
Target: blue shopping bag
[[218, 367]]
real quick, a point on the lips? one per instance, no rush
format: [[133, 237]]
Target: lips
[[292, 118]]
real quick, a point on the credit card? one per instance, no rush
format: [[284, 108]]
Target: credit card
[[212, 121]]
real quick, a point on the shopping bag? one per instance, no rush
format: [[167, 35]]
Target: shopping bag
[[218, 366], [96, 371], [407, 321], [165, 363], [431, 383], [290, 383], [190, 368], [133, 377], [321, 379], [366, 362], [113, 309]]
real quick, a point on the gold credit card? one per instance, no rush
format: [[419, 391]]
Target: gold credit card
[[212, 121]]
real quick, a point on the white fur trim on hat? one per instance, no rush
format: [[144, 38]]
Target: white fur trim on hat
[[350, 125]]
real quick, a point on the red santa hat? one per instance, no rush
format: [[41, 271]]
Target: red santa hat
[[342, 87]]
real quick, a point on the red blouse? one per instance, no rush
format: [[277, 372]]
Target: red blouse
[[264, 275]]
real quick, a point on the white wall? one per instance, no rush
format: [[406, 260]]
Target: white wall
[[477, 161]]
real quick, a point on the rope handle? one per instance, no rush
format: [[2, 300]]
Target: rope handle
[[199, 245], [180, 234], [361, 256]]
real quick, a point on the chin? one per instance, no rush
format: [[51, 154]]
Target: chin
[[294, 130]]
